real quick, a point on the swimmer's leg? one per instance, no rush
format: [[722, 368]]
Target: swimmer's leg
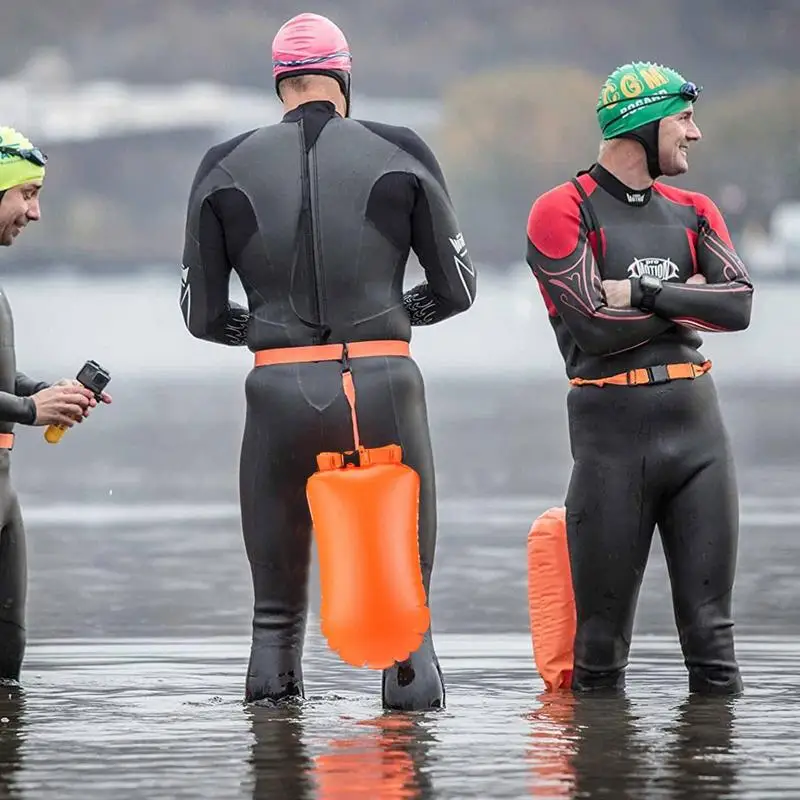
[[276, 525], [13, 590], [610, 524], [392, 409], [700, 532]]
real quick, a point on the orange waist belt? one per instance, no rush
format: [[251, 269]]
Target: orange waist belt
[[6, 441], [361, 456], [661, 373], [332, 352]]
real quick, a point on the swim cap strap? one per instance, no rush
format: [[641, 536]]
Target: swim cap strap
[[341, 77]]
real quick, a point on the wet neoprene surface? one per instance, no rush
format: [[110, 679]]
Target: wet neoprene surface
[[318, 215], [15, 387], [294, 412], [666, 232], [15, 407], [647, 456], [652, 455]]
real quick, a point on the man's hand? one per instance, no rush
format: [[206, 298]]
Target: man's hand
[[697, 278], [618, 293], [65, 403], [104, 397]]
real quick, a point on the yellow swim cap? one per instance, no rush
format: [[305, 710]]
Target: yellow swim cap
[[20, 161]]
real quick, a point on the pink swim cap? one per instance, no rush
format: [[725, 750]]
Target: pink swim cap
[[309, 43]]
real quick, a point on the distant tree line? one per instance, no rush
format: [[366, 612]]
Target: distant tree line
[[518, 81], [416, 47]]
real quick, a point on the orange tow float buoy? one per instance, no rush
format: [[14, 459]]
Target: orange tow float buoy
[[551, 602], [364, 507]]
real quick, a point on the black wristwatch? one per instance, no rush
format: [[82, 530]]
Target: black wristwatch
[[650, 287]]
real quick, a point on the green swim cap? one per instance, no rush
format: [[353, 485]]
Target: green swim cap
[[20, 161], [641, 92]]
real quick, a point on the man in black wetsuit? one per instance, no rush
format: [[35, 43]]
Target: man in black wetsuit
[[630, 269], [22, 400], [317, 215]]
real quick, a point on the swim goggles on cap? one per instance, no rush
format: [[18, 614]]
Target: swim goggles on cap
[[689, 91], [34, 154]]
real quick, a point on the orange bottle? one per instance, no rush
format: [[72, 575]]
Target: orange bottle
[[53, 433]]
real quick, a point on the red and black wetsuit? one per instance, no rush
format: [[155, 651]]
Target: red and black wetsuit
[[647, 455]]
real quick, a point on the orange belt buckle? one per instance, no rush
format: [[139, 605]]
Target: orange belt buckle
[[659, 373]]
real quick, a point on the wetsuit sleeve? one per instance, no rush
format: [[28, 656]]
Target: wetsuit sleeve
[[436, 238], [25, 386], [561, 258], [205, 274], [724, 302], [17, 409]]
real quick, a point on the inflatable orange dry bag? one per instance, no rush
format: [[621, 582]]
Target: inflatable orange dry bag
[[551, 601], [364, 506]]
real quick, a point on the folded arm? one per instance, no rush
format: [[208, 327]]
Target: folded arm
[[561, 258], [724, 302]]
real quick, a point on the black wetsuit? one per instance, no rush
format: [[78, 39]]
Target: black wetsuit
[[16, 406], [645, 455], [317, 216]]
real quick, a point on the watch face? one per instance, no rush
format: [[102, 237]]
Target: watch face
[[650, 282]]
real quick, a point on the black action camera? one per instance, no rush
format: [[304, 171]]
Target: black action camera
[[94, 378]]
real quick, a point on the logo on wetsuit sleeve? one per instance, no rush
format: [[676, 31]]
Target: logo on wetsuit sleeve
[[186, 293], [459, 245], [462, 268], [661, 268]]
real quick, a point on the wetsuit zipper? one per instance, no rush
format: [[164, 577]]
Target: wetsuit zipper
[[309, 171]]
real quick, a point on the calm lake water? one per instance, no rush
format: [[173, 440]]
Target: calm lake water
[[139, 599]]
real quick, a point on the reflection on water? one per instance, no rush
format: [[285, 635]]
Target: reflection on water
[[701, 762], [382, 756], [581, 746], [385, 758], [596, 746], [12, 724], [280, 762], [164, 719]]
